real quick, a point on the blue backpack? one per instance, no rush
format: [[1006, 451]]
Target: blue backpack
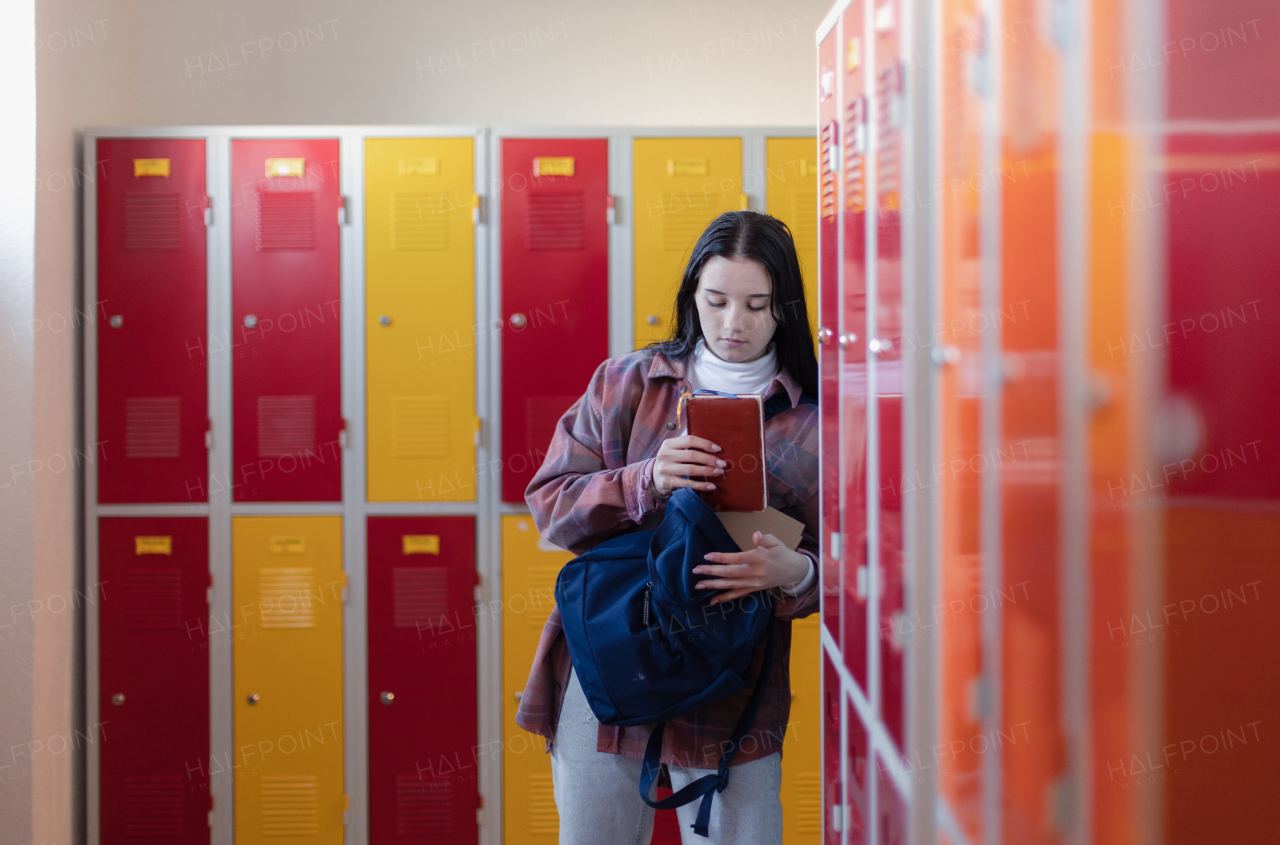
[[647, 646]]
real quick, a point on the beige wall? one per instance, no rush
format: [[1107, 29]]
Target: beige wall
[[655, 62]]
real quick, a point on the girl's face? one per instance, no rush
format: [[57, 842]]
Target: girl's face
[[733, 300]]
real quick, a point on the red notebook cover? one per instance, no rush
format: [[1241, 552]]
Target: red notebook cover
[[736, 425]]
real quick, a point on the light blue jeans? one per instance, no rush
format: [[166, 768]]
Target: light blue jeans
[[598, 794]]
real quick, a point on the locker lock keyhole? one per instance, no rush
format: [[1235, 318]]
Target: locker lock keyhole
[[387, 697], [384, 320], [254, 698], [116, 321], [250, 320], [519, 321], [118, 699]]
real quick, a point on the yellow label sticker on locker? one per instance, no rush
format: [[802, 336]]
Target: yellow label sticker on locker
[[854, 54], [288, 544], [419, 167], [277, 167], [151, 167], [694, 167], [420, 544], [156, 545], [548, 166]]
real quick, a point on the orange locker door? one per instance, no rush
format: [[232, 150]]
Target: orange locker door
[[680, 185], [529, 569], [288, 591]]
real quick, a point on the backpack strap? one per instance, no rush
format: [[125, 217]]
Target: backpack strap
[[706, 786]]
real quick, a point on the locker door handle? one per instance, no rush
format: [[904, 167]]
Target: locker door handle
[[116, 321], [652, 319], [118, 699], [387, 697], [254, 698], [519, 321], [384, 320], [824, 336], [848, 339]]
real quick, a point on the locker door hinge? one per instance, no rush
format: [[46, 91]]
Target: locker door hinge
[[744, 202], [344, 588], [210, 811], [476, 436], [342, 210], [478, 209], [208, 211], [346, 810], [208, 435], [611, 209], [208, 597], [342, 434]]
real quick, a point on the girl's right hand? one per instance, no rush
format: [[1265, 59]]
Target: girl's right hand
[[682, 456]]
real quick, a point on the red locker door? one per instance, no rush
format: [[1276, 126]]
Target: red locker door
[[285, 318], [829, 327], [887, 346], [855, 161], [153, 698], [151, 320], [423, 783], [555, 290]]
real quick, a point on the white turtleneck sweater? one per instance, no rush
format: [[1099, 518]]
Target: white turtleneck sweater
[[707, 371]]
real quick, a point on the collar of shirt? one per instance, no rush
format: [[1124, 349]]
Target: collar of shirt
[[664, 367]]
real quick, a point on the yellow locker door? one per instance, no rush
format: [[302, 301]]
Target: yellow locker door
[[529, 569], [420, 318], [791, 165], [287, 589], [802, 748], [681, 185]]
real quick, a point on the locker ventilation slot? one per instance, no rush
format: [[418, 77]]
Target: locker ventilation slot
[[151, 222], [555, 221], [420, 426], [541, 414], [153, 807], [420, 222], [421, 595], [286, 220], [153, 598], [290, 806], [286, 425], [808, 804], [542, 594], [805, 221], [681, 228], [284, 597], [423, 807], [543, 818], [151, 426]]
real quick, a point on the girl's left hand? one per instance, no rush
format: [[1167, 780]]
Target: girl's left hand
[[769, 564]]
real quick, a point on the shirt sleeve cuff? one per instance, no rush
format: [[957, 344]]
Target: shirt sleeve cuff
[[637, 486], [805, 583]]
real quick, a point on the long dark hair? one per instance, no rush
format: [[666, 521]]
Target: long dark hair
[[759, 237]]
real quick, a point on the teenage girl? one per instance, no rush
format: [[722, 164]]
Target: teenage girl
[[741, 326]]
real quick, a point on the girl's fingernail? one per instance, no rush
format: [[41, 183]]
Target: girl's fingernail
[[716, 448], [711, 487], [721, 464]]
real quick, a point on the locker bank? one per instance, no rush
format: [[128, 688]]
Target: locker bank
[[331, 508], [293, 299]]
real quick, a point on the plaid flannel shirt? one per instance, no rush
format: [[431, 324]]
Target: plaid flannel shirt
[[596, 483]]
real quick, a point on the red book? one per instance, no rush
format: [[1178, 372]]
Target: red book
[[736, 425]]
